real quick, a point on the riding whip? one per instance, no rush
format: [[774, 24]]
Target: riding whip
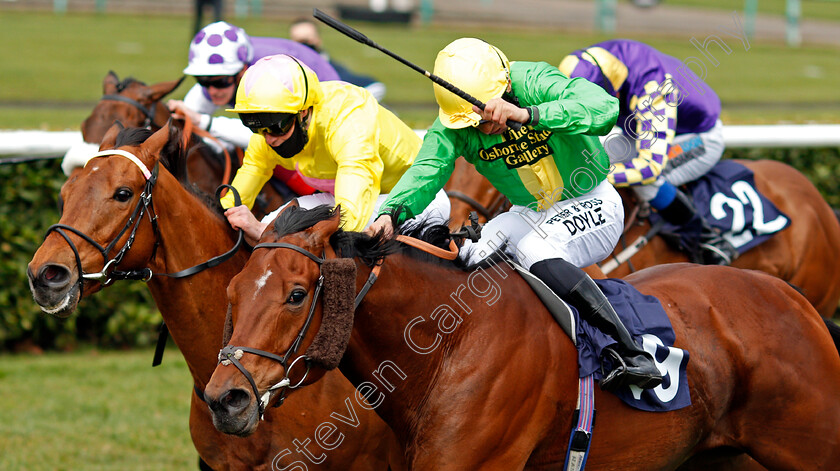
[[353, 34]]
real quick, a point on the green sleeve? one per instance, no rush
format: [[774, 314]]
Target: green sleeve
[[564, 105], [430, 171]]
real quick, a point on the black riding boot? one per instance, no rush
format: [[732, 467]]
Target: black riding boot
[[577, 288], [713, 248]]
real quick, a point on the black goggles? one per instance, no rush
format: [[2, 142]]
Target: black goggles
[[223, 81], [276, 124]]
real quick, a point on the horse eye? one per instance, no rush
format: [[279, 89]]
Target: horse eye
[[296, 297], [123, 194]]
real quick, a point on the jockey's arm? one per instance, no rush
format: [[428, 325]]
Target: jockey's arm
[[569, 106], [656, 123], [227, 129], [430, 170]]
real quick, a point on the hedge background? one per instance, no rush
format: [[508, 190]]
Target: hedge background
[[124, 314]]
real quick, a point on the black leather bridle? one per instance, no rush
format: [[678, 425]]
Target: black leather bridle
[[231, 354], [144, 205], [149, 112]]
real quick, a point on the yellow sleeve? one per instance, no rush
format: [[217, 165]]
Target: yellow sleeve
[[257, 167], [354, 145], [656, 125]]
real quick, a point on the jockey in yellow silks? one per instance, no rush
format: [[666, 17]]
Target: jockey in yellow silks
[[336, 135]]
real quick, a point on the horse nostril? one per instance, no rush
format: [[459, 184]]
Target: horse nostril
[[235, 401], [54, 275]]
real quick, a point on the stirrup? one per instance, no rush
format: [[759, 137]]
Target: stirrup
[[718, 256], [621, 375]]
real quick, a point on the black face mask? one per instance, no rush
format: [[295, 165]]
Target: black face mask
[[295, 143]]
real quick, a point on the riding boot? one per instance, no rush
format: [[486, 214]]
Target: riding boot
[[713, 248], [636, 366]]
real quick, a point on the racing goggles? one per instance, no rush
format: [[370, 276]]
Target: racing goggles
[[276, 124], [222, 81]]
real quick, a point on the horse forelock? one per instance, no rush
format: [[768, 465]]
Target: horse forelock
[[127, 82], [132, 137]]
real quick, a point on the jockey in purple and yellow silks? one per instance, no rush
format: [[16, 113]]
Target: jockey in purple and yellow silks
[[334, 134], [671, 118], [565, 215]]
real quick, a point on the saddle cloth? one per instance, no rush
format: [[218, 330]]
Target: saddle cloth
[[727, 197], [646, 320]]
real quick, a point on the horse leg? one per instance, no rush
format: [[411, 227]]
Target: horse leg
[[790, 419]]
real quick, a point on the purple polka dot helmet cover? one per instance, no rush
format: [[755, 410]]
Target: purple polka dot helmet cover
[[219, 49]]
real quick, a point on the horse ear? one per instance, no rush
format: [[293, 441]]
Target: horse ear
[[159, 90], [154, 145], [109, 83], [324, 229], [110, 138]]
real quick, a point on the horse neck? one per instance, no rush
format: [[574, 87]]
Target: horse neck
[[379, 351], [194, 307]]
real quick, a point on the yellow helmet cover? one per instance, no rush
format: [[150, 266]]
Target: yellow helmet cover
[[475, 67], [277, 84]]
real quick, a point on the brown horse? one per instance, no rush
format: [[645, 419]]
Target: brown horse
[[471, 372], [135, 104], [803, 254], [99, 199]]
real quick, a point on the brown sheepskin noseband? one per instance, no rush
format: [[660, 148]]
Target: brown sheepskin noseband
[[337, 316]]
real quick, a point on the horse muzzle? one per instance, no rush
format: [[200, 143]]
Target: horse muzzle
[[234, 411], [55, 288]]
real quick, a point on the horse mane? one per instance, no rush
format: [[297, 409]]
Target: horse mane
[[373, 249]]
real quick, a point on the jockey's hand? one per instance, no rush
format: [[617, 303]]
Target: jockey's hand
[[240, 217], [383, 223], [180, 110], [497, 111]]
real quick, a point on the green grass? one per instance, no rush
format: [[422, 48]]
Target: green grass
[[811, 9], [95, 410], [53, 65]]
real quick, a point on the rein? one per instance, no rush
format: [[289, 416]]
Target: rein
[[148, 112], [189, 130], [494, 209]]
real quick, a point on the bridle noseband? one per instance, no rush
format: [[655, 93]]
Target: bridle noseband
[[231, 354], [144, 204]]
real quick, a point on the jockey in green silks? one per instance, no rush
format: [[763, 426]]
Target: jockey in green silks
[[565, 214]]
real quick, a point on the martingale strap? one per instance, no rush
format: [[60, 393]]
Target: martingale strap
[[578, 449]]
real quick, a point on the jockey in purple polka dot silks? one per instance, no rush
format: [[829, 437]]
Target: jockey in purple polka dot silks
[[565, 214], [671, 133], [219, 55]]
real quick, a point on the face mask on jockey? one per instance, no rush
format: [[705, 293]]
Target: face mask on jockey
[[295, 143]]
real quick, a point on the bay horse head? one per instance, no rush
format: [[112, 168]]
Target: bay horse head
[[304, 321], [108, 209], [131, 102]]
